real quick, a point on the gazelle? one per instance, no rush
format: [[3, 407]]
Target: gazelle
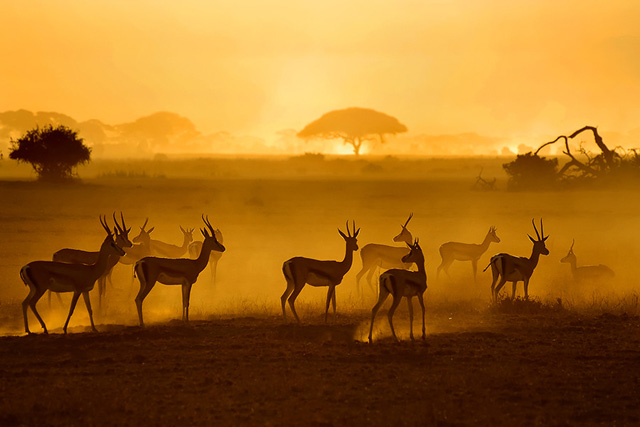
[[196, 247], [159, 248], [300, 271], [41, 276], [403, 283], [175, 271], [454, 251], [515, 269], [141, 249], [76, 256], [586, 272], [374, 255]]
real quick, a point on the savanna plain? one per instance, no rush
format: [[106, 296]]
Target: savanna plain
[[570, 355]]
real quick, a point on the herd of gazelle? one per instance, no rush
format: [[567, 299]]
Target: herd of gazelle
[[159, 262]]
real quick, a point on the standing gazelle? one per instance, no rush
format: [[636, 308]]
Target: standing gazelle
[[586, 273], [453, 251], [375, 255], [41, 276], [514, 269], [175, 271], [300, 271], [403, 283]]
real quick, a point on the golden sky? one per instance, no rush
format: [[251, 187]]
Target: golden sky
[[503, 68]]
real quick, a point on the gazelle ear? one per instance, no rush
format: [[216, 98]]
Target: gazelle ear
[[182, 229], [408, 245], [342, 234], [150, 230], [204, 233], [357, 232], [531, 238], [544, 239]]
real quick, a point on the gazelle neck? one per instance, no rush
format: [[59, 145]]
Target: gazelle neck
[[348, 258], [203, 258], [535, 256], [185, 243], [486, 242], [100, 265]]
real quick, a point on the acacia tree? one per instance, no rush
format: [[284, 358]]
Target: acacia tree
[[53, 152], [354, 126]]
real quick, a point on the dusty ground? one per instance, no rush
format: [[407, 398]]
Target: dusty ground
[[549, 368]]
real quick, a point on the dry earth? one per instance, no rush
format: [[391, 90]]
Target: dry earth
[[550, 368]]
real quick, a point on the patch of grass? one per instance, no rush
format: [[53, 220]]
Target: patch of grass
[[520, 305]]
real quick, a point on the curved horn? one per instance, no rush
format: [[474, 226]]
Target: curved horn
[[541, 228], [573, 241], [120, 230], [409, 219], [206, 221], [145, 224], [536, 230], [105, 225], [123, 224], [348, 232]]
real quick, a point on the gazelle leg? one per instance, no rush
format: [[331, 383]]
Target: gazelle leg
[[333, 302], [424, 331], [145, 288], [526, 289], [32, 303], [513, 290], [287, 292], [410, 304], [392, 309], [381, 299], [87, 302], [186, 296], [74, 301], [474, 266], [358, 277], [25, 306], [292, 300], [330, 294], [214, 270], [497, 290]]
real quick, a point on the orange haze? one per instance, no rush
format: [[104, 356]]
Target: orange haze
[[521, 70]]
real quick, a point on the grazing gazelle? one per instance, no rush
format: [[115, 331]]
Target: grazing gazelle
[[41, 276], [196, 247], [76, 256], [300, 271], [160, 248], [514, 269], [586, 272], [175, 271], [374, 255], [403, 283], [454, 251]]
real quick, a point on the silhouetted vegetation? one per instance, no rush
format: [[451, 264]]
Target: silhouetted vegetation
[[53, 152], [530, 171], [584, 167], [354, 126]]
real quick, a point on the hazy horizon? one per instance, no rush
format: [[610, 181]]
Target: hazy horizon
[[521, 73]]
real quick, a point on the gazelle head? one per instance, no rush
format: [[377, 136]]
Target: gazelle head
[[352, 241], [209, 234], [405, 235], [415, 254], [188, 234], [571, 257], [144, 235], [493, 237], [109, 241], [122, 232], [538, 245]]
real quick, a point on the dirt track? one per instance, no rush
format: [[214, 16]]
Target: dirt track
[[552, 368]]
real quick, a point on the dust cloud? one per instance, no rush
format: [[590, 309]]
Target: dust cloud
[[266, 221]]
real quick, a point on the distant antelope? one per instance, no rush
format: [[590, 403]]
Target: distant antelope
[[586, 272], [300, 271], [403, 283], [175, 271], [196, 247], [141, 249], [41, 276], [76, 256], [159, 248], [515, 269], [453, 251], [374, 255]]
